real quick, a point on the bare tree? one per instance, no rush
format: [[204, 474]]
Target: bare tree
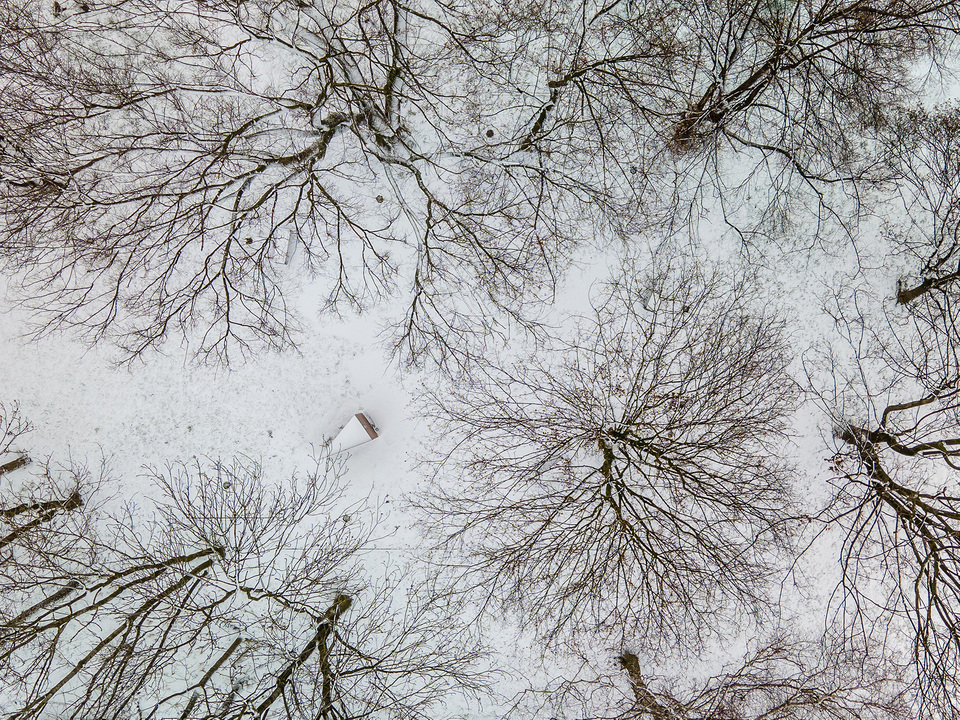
[[923, 148], [671, 96], [898, 506], [921, 340], [781, 678], [893, 401], [628, 477], [236, 599], [897, 427], [161, 163]]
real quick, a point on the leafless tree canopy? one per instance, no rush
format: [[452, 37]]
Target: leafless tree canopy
[[668, 93], [168, 168], [162, 163], [896, 450], [897, 427], [898, 507], [233, 601], [923, 147], [780, 678], [37, 500], [628, 477]]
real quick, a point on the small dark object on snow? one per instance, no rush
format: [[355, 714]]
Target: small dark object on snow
[[489, 133]]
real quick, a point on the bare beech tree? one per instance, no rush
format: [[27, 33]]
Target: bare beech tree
[[898, 506], [162, 162], [923, 338], [235, 600], [894, 405], [782, 678], [896, 440], [626, 477], [660, 89]]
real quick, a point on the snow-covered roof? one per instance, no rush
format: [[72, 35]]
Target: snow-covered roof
[[357, 431]]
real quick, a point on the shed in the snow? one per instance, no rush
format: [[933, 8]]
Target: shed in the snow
[[357, 431]]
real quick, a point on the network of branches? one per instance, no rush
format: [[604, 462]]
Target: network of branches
[[627, 477], [237, 598], [165, 166], [182, 170]]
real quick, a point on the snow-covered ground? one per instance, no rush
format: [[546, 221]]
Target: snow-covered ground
[[831, 277], [277, 407]]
